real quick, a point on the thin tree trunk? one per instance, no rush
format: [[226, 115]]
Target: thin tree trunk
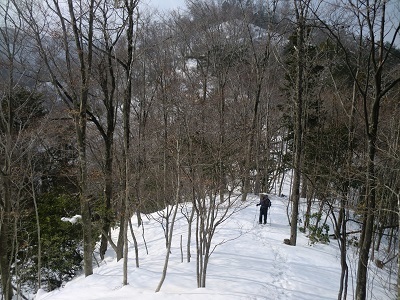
[[304, 186], [126, 197], [221, 138], [5, 241], [250, 143], [126, 245], [135, 243], [308, 211], [190, 221], [7, 118], [177, 197], [108, 196], [260, 66], [398, 249], [343, 263], [282, 181], [258, 175], [39, 254]]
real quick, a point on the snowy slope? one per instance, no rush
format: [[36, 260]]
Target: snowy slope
[[250, 263]]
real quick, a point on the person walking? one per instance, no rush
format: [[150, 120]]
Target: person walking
[[265, 204]]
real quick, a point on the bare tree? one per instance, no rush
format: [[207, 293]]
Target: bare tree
[[18, 107], [372, 18], [130, 6], [7, 137], [372, 22], [261, 48], [106, 73], [75, 33], [378, 58], [301, 9], [176, 205]]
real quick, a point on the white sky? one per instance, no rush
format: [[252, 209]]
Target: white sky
[[163, 5]]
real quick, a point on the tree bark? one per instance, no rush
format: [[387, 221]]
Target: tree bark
[[261, 64], [371, 126], [108, 84], [171, 230], [300, 10], [5, 240], [398, 238], [39, 253], [6, 144], [123, 237], [85, 64]]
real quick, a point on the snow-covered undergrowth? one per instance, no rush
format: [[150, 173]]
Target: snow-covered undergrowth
[[250, 262]]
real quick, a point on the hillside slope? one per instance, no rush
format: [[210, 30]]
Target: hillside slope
[[249, 262]]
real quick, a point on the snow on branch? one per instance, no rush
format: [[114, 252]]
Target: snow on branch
[[72, 220]]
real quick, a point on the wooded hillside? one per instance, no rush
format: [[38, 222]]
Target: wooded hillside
[[109, 110]]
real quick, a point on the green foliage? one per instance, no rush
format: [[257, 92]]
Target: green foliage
[[353, 241], [61, 241], [318, 233]]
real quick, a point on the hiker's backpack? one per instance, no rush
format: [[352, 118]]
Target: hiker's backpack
[[266, 201]]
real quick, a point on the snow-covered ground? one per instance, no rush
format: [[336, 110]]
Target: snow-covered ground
[[251, 262]]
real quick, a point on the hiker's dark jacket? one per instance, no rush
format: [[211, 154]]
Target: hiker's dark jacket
[[265, 203]]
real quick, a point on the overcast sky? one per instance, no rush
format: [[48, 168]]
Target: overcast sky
[[163, 5]]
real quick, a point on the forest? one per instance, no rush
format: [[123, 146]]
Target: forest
[[110, 110]]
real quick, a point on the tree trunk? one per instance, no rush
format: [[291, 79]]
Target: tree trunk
[[343, 256], [39, 254], [85, 63], [344, 202], [107, 194], [7, 118], [108, 168], [252, 133], [258, 175], [171, 230], [304, 186], [5, 240], [135, 243], [250, 140], [298, 135], [283, 166], [190, 222], [126, 244], [221, 138], [72, 85], [398, 250], [120, 241], [308, 211], [371, 127], [368, 226], [130, 7]]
